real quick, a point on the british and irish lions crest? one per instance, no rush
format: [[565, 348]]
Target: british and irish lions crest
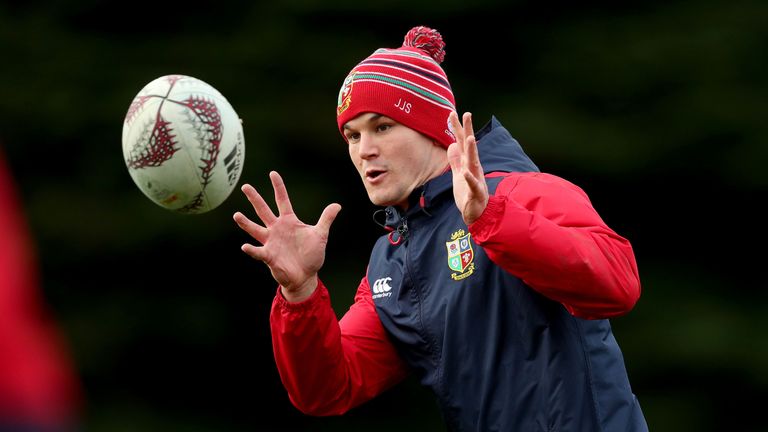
[[460, 255], [183, 144], [345, 93]]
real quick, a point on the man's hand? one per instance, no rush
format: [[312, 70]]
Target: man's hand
[[469, 188], [293, 250]]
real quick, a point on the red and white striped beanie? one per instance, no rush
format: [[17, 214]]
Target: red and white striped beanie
[[406, 84]]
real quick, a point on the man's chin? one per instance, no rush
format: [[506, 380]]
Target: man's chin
[[379, 200]]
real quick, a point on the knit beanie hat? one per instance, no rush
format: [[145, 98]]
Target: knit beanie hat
[[405, 84]]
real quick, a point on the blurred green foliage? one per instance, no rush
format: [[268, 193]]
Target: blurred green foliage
[[656, 109]]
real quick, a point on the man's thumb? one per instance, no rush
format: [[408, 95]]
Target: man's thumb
[[328, 216]]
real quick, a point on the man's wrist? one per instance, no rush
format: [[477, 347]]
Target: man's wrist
[[301, 293]]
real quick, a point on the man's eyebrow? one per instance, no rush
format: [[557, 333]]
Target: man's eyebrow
[[371, 119]]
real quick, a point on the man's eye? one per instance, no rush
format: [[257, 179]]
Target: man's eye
[[383, 127], [353, 137]]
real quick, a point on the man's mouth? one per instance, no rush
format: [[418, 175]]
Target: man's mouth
[[374, 174]]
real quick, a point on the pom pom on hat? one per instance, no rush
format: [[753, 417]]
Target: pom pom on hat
[[428, 40], [405, 84]]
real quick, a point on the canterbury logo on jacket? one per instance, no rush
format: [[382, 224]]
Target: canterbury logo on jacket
[[504, 320]]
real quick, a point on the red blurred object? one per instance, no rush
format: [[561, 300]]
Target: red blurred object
[[39, 389]]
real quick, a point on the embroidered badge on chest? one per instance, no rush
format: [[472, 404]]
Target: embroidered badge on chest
[[460, 255]]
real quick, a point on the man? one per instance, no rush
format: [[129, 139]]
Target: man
[[493, 285]]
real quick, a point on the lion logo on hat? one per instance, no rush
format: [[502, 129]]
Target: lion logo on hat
[[345, 93]]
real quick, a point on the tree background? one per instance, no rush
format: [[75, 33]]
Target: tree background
[[656, 109]]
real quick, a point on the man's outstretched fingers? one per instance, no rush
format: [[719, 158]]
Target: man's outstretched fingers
[[468, 129], [255, 252], [473, 157], [458, 130], [259, 205], [474, 184], [256, 231], [327, 217], [281, 194]]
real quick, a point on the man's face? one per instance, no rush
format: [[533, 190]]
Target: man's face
[[391, 158]]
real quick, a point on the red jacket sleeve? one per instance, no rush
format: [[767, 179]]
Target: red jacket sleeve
[[544, 230], [330, 366]]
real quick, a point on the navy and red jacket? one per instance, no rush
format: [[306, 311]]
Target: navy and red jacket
[[504, 320]]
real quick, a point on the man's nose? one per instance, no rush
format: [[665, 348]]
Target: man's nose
[[368, 146]]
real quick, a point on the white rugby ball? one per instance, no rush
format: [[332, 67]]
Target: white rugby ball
[[183, 144]]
